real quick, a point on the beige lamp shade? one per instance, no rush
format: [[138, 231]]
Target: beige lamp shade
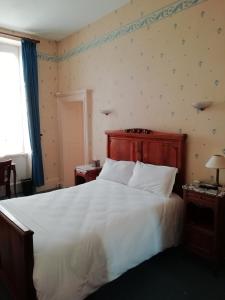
[[216, 162]]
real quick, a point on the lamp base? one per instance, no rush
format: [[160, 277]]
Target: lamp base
[[217, 176]]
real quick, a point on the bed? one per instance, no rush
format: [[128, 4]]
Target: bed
[[21, 246]]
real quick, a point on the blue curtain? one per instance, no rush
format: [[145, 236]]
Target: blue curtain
[[29, 57]]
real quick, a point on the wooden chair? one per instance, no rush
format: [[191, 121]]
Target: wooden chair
[[5, 171]]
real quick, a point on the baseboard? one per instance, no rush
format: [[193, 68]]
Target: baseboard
[[50, 184]]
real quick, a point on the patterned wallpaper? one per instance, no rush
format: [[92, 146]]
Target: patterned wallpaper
[[143, 21], [147, 61], [150, 76], [48, 86]]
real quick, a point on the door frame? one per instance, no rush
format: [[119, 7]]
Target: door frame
[[85, 97]]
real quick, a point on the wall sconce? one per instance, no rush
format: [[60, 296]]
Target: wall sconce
[[202, 105], [106, 112]]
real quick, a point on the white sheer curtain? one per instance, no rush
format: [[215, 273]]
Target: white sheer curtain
[[14, 138]]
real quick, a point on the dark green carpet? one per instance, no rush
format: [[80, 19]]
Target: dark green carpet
[[172, 275]]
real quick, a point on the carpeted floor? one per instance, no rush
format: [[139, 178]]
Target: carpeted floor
[[172, 275]]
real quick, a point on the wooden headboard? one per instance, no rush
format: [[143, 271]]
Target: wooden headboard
[[158, 148]]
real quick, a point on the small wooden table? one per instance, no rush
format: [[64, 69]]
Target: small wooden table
[[204, 232], [85, 173]]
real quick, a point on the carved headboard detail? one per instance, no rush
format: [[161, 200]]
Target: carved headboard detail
[[159, 148], [138, 130]]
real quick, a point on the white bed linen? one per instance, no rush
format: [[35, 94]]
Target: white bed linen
[[88, 235]]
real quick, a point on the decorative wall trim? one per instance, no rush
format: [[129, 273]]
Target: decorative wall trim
[[153, 17], [48, 57]]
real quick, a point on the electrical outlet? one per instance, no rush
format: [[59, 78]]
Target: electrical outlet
[[223, 150]]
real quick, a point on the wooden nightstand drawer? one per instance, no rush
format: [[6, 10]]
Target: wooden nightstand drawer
[[200, 199], [81, 173], [90, 177]]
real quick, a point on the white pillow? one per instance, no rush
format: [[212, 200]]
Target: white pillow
[[153, 178], [117, 170]]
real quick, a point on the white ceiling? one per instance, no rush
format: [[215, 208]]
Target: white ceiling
[[53, 19]]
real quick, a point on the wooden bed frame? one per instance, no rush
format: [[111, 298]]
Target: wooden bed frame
[[16, 240]]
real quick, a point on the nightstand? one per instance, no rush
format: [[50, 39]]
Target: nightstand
[[85, 173], [204, 225]]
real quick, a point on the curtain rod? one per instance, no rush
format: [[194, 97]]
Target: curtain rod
[[20, 37]]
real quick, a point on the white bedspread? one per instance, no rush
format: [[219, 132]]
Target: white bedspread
[[88, 235]]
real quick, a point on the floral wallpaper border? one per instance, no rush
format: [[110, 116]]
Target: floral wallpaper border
[[145, 21]]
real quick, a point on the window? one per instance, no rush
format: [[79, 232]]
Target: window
[[14, 138]]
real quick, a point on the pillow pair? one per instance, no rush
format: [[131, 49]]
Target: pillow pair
[[153, 178]]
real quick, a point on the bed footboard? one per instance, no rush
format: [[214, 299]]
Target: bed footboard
[[16, 257]]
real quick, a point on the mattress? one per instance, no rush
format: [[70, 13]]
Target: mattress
[[88, 235]]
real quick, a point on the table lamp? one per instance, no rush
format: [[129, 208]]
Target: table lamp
[[216, 162]]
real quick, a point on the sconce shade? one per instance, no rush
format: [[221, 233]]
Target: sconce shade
[[216, 162], [106, 112], [201, 105]]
